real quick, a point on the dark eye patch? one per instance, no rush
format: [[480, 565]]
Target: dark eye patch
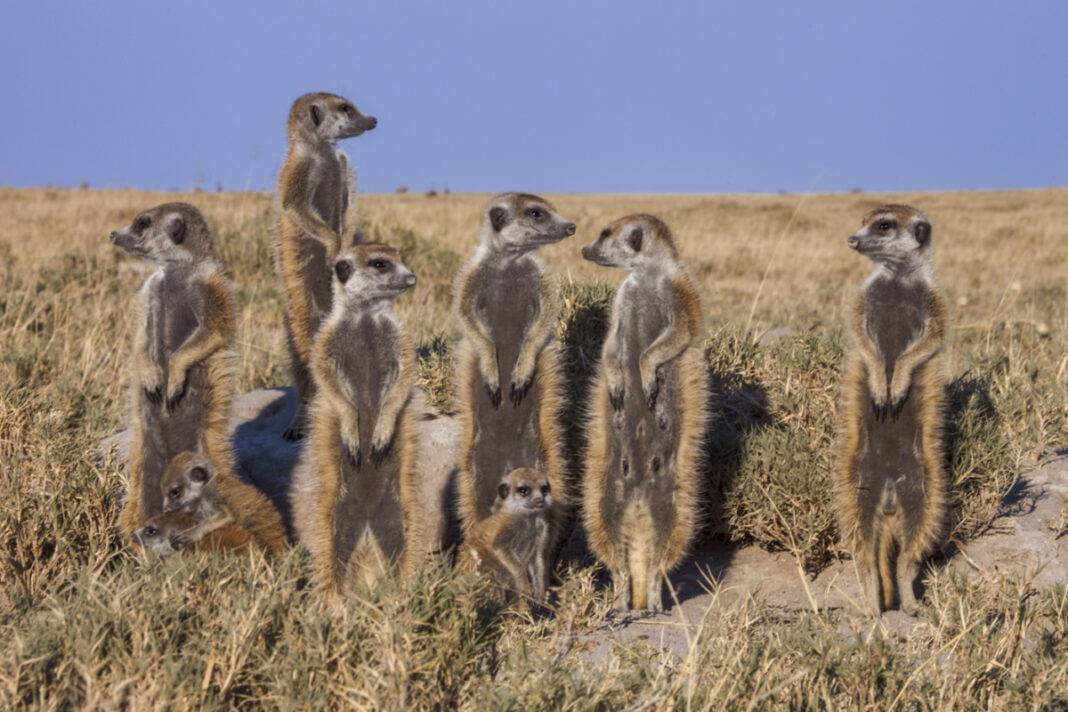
[[605, 234], [380, 264], [885, 225], [141, 223], [175, 492], [634, 239], [150, 531], [523, 490], [536, 213]]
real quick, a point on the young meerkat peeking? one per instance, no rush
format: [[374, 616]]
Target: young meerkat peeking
[[647, 414], [314, 188], [508, 371], [890, 482], [510, 545], [190, 485], [183, 357], [354, 489], [168, 533]]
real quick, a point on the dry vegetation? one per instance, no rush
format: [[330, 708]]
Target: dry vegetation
[[82, 624]]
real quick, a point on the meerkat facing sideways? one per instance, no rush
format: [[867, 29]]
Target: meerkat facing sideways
[[890, 483], [183, 356], [168, 533], [354, 490], [511, 544], [313, 189], [648, 413], [190, 485], [509, 385]]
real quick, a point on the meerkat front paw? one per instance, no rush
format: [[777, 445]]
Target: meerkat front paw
[[896, 398], [381, 443], [651, 388], [152, 384], [176, 388], [494, 393], [519, 389], [350, 445]]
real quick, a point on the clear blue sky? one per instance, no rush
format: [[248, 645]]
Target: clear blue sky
[[546, 96]]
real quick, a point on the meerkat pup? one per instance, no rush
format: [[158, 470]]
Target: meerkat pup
[[354, 490], [190, 485], [182, 364], [890, 484], [314, 188], [648, 413], [170, 532], [509, 384], [511, 544]]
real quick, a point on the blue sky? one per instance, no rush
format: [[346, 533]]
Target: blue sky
[[544, 96]]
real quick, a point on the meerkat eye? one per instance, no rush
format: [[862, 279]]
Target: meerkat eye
[[545, 489], [141, 223], [175, 492], [502, 490], [347, 108], [605, 233], [536, 213], [380, 265], [884, 226], [150, 530], [523, 491], [198, 474]]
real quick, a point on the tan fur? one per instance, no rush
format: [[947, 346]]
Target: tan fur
[[227, 537], [249, 509]]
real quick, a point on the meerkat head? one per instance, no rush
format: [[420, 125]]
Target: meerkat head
[[631, 242], [172, 232], [520, 222], [184, 479], [895, 236], [523, 491], [160, 533], [328, 117], [370, 272]]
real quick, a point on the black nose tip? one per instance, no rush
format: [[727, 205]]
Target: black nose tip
[[853, 241], [586, 252], [569, 228], [372, 122], [113, 236]]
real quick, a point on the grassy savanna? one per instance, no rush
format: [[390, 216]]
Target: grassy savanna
[[82, 623]]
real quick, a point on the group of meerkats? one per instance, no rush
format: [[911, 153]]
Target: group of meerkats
[[353, 493]]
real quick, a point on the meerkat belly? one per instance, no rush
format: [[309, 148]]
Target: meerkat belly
[[643, 442], [369, 511], [506, 436], [169, 431], [891, 448]]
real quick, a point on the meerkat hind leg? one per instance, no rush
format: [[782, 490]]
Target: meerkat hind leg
[[655, 594], [907, 571], [621, 581]]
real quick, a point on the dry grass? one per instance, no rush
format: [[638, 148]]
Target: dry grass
[[82, 625]]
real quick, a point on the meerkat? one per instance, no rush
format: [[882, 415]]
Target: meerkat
[[890, 484], [190, 485], [647, 415], [183, 356], [511, 544], [509, 384], [354, 493], [168, 533], [314, 189]]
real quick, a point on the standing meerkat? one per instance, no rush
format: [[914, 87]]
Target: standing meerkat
[[190, 485], [890, 483], [509, 383], [511, 544], [170, 532], [313, 190], [354, 489], [648, 413], [183, 357]]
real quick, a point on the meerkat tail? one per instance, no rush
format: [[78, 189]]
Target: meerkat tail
[[886, 576]]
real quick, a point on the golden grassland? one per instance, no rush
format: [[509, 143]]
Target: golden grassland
[[82, 624]]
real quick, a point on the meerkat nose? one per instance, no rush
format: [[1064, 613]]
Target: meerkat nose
[[410, 280], [114, 236], [569, 228], [853, 241], [372, 121]]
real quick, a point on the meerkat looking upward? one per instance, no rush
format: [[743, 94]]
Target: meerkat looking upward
[[313, 190], [183, 356], [509, 385], [890, 484], [190, 485], [511, 543], [354, 489], [648, 414]]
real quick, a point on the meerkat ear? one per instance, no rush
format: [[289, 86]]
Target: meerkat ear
[[316, 112], [198, 474], [923, 232], [502, 490], [176, 230], [498, 218], [634, 239], [343, 269]]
